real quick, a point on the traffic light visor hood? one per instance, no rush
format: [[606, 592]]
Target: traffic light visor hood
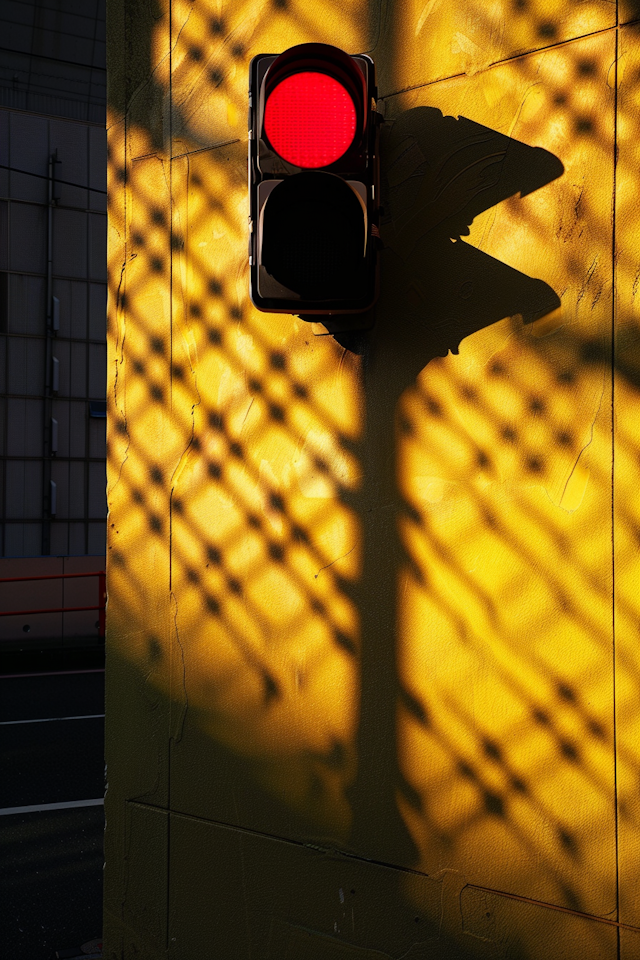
[[314, 105]]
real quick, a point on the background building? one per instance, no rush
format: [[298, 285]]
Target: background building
[[52, 294]]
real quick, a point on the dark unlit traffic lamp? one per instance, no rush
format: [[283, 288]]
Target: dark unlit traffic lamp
[[313, 181]]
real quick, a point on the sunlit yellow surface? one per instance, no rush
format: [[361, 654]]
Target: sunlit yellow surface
[[391, 598], [212, 44], [426, 40], [627, 479]]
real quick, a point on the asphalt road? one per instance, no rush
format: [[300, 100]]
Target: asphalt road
[[52, 750]]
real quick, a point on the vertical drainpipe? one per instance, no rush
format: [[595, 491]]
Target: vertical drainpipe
[[48, 363]]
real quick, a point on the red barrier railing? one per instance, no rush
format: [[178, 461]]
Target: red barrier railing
[[102, 596]]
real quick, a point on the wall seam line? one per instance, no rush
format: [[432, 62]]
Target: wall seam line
[[613, 527], [497, 63], [338, 853], [171, 624]]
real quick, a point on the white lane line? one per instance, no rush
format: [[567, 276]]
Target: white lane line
[[84, 716], [43, 807], [49, 673]]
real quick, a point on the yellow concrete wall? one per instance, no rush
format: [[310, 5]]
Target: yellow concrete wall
[[373, 669]]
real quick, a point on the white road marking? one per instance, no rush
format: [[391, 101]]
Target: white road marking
[[49, 673], [85, 716], [43, 807]]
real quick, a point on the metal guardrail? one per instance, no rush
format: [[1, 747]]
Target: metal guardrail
[[102, 596]]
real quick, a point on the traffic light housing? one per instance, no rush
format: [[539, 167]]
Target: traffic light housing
[[313, 182]]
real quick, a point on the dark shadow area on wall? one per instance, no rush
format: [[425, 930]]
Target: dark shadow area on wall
[[131, 83], [242, 893], [439, 173], [629, 11]]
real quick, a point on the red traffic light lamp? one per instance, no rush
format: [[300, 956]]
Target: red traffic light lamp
[[313, 182]]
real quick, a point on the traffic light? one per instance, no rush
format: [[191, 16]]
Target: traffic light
[[313, 181]]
